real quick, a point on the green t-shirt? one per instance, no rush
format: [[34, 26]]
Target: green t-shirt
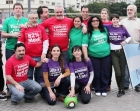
[[11, 25], [75, 37], [98, 45]]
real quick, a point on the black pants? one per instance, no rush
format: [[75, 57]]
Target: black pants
[[62, 89], [1, 79], [79, 88]]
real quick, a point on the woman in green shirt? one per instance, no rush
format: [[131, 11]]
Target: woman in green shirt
[[96, 48], [75, 35]]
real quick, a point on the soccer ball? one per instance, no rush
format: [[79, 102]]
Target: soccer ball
[[70, 102]]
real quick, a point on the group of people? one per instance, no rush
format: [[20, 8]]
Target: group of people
[[66, 56]]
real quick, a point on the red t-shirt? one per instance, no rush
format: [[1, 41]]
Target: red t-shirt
[[18, 69], [58, 31], [33, 39], [109, 22], [86, 21]]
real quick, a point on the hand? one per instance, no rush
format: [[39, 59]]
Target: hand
[[87, 58], [19, 87], [87, 89], [57, 81], [46, 60], [43, 56], [16, 34], [72, 93], [52, 96], [123, 43], [84, 29]]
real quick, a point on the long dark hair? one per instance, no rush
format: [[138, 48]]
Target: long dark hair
[[90, 28], [77, 47], [60, 59]]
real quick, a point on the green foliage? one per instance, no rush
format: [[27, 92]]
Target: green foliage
[[137, 3], [71, 10]]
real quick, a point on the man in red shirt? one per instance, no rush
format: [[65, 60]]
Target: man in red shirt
[[16, 73], [59, 27], [35, 39]]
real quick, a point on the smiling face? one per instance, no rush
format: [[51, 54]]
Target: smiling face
[[130, 11], [85, 13], [59, 13], [77, 53], [115, 21], [95, 22], [45, 14], [77, 22], [20, 52], [55, 52], [33, 19]]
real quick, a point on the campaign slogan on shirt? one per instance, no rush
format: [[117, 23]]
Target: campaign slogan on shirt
[[14, 28], [115, 36], [60, 30], [56, 71], [21, 69], [99, 39], [34, 37], [80, 73]]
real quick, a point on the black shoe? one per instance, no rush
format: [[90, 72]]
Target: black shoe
[[3, 98], [126, 88], [120, 93], [14, 102], [29, 100]]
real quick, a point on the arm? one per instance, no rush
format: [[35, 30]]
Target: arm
[[10, 35], [12, 81], [38, 64], [84, 49], [45, 49]]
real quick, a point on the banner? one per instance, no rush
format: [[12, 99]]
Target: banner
[[132, 53]]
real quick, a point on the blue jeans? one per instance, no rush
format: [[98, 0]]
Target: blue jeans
[[8, 53], [37, 72], [127, 77], [31, 88], [66, 56]]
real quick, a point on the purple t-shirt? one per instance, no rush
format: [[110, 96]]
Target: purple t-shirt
[[81, 71], [53, 68], [116, 34]]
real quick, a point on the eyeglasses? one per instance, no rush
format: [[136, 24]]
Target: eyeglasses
[[95, 20]]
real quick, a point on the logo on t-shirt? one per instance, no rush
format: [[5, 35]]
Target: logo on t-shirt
[[34, 37], [115, 36], [21, 69], [56, 71], [81, 73], [14, 28], [60, 30]]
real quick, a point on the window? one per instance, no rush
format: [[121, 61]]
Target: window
[[78, 5], [40, 2], [53, 3], [9, 1], [47, 3], [82, 0], [32, 1]]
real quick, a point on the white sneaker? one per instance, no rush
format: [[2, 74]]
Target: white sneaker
[[104, 94], [98, 94]]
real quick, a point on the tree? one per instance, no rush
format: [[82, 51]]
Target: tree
[[137, 3]]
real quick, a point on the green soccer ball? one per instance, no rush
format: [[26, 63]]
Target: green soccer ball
[[70, 102]]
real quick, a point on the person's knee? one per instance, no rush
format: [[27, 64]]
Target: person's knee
[[19, 95], [51, 102], [85, 100], [37, 88]]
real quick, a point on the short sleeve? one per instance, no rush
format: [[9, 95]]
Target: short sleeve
[[45, 67], [32, 62], [85, 40], [71, 67], [22, 37], [90, 67], [8, 68], [5, 26]]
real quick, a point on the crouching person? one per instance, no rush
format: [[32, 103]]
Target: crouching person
[[16, 73]]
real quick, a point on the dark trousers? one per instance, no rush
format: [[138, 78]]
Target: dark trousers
[[79, 88], [101, 68], [1, 79], [119, 62], [8, 53], [62, 89]]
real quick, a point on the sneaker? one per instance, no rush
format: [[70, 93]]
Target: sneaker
[[120, 93], [14, 102], [28, 100], [98, 94], [60, 98], [104, 94], [3, 98], [8, 95], [2, 92]]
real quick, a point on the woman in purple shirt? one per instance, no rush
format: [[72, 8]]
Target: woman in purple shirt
[[81, 75], [56, 76], [117, 35]]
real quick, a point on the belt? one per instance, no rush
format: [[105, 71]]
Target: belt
[[119, 50]]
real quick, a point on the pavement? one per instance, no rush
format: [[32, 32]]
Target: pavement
[[129, 102]]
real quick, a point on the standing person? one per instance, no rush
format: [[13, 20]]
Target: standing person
[[96, 47], [117, 35], [11, 29], [75, 35], [59, 28], [16, 73], [56, 76], [132, 25], [81, 75], [2, 93], [105, 16], [106, 21], [85, 14], [35, 37], [43, 13]]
